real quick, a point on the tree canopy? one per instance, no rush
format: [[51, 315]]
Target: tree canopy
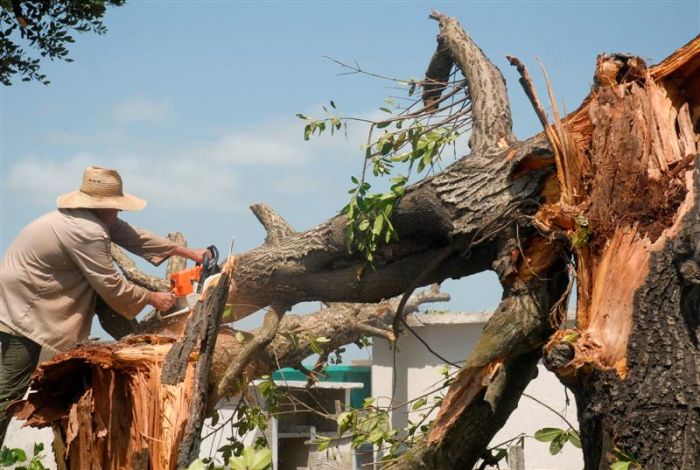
[[34, 30]]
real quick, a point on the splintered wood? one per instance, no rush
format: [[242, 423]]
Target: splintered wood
[[108, 408], [638, 137], [106, 401]]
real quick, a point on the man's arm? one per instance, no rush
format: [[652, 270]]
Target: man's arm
[[197, 254], [148, 245], [93, 258]]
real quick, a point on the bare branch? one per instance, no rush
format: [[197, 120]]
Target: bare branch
[[277, 228], [493, 125], [135, 275]]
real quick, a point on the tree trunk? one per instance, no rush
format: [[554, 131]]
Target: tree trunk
[[613, 187], [634, 362], [115, 413]]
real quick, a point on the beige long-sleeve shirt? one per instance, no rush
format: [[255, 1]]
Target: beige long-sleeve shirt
[[51, 274]]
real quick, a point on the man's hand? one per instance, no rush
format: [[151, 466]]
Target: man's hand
[[162, 301], [196, 255]]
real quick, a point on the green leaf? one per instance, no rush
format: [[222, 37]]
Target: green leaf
[[38, 447], [228, 316], [214, 418], [375, 436], [575, 438], [386, 110], [240, 337], [332, 104], [378, 225], [323, 340], [420, 403], [324, 444], [36, 464], [383, 124], [572, 337], [344, 420], [622, 465], [387, 146], [501, 454], [558, 443], [258, 460], [301, 116], [548, 434], [19, 455]]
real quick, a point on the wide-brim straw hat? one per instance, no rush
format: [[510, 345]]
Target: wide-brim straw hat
[[101, 189]]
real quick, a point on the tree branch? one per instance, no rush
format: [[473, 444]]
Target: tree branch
[[135, 275], [493, 125], [277, 228]]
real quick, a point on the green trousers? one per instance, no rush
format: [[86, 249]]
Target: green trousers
[[20, 357]]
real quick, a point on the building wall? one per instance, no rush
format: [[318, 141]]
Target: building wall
[[453, 337]]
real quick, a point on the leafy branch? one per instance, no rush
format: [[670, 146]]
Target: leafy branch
[[412, 140]]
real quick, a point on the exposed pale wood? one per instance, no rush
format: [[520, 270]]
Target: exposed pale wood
[[147, 420], [114, 409]]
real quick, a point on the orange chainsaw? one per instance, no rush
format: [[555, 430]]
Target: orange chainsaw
[[187, 285]]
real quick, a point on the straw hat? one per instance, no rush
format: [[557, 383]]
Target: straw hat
[[101, 189]]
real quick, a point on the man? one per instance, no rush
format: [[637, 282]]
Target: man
[[52, 273]]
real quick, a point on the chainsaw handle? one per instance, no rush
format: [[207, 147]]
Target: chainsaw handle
[[210, 265], [213, 256]]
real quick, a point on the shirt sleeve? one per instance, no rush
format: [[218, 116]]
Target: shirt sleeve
[[93, 258], [143, 243]]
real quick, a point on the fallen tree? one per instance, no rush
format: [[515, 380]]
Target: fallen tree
[[609, 192]]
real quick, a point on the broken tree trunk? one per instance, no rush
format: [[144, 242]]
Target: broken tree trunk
[[116, 414], [633, 358]]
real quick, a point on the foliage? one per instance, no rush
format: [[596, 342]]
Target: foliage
[[371, 424], [558, 437], [251, 458], [17, 458], [410, 141], [46, 27]]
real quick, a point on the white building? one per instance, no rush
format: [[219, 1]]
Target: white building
[[453, 336]]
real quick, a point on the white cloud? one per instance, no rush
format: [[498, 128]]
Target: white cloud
[[174, 183], [226, 173], [141, 109]]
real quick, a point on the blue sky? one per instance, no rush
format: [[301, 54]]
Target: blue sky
[[195, 102]]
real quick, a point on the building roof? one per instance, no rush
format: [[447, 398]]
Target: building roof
[[457, 318], [303, 384], [447, 318]]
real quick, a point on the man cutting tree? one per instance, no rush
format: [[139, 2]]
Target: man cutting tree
[[54, 271]]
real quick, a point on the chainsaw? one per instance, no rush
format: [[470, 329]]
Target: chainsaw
[[188, 284]]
